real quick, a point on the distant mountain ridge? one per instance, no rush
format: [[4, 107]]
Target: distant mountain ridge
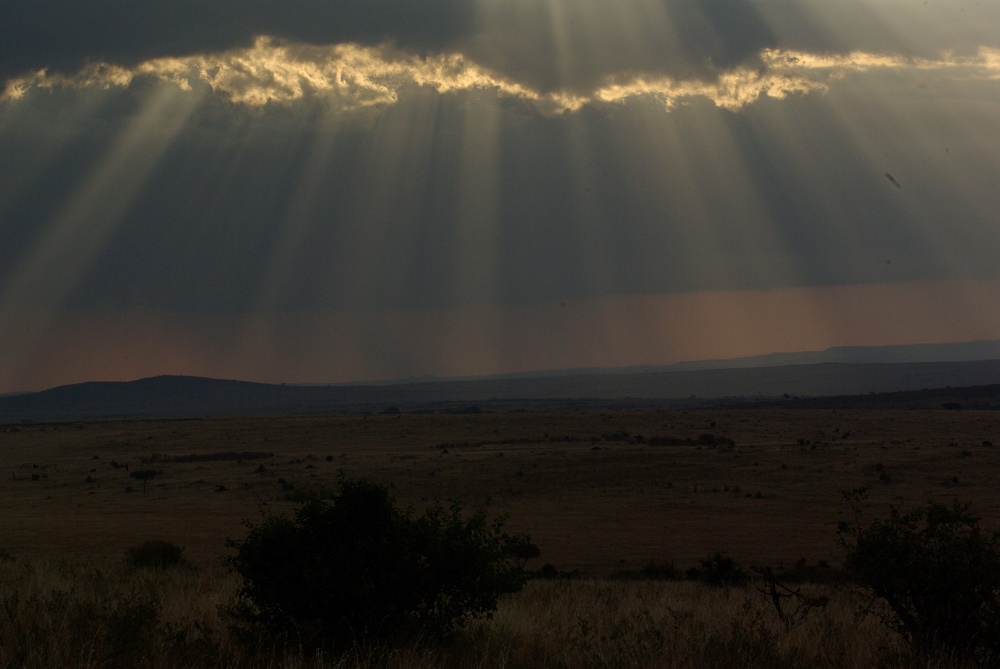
[[951, 352], [166, 396], [186, 397], [899, 353]]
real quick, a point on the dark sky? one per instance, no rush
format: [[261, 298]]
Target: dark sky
[[331, 191]]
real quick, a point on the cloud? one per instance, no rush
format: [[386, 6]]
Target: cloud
[[555, 48], [63, 36], [903, 27], [546, 44], [574, 45], [353, 76]]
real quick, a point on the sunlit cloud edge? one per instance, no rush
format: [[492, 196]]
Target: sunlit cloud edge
[[355, 77]]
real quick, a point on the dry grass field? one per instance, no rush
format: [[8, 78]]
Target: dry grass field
[[598, 491], [75, 617]]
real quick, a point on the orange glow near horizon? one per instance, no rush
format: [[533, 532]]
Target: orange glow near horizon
[[323, 347]]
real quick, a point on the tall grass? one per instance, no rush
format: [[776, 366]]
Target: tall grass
[[79, 616]]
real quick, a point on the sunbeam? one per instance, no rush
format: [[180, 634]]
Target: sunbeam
[[493, 186], [474, 255], [97, 205], [46, 277]]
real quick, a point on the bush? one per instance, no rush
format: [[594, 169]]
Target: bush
[[156, 554], [357, 569], [720, 571], [938, 572]]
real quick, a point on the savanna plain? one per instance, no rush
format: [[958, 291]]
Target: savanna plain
[[613, 499]]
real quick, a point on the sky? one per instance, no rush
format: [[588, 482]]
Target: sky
[[332, 191]]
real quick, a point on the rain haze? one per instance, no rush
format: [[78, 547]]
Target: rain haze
[[316, 191]]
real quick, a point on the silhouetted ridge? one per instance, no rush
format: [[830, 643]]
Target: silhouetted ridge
[[825, 384], [172, 396]]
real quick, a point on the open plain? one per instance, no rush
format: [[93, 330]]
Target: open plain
[[598, 491]]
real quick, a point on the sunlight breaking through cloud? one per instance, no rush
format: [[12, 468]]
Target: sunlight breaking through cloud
[[350, 76]]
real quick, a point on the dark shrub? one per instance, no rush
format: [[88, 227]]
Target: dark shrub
[[938, 572], [664, 571], [714, 440], [156, 554], [357, 569], [720, 571]]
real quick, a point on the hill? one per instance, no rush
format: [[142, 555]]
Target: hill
[[822, 384]]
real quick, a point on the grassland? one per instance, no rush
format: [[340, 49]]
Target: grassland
[[590, 488], [600, 492], [87, 617]]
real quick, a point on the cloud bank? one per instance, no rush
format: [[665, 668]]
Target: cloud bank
[[546, 45], [351, 76], [66, 36]]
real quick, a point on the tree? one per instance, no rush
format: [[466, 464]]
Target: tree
[[938, 572], [356, 568], [144, 475], [521, 549]]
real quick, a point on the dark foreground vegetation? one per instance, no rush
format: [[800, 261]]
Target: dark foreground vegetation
[[352, 580], [357, 569]]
